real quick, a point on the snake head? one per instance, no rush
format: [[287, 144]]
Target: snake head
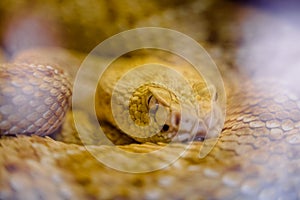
[[182, 121], [163, 108]]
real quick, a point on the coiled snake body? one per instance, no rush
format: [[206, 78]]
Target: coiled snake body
[[255, 156]]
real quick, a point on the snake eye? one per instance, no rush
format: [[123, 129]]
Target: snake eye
[[152, 104], [149, 100]]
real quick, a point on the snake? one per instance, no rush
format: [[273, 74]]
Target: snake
[[256, 155]]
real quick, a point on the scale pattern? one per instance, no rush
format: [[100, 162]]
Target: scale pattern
[[256, 156], [33, 99]]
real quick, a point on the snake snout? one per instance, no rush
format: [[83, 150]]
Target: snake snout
[[187, 126]]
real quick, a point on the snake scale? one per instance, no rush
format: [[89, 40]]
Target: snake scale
[[255, 157]]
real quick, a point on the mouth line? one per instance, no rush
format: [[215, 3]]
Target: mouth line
[[198, 132]]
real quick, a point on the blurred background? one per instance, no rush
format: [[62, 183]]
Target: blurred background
[[259, 38], [82, 24]]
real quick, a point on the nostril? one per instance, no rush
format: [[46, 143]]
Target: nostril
[[175, 119], [165, 128]]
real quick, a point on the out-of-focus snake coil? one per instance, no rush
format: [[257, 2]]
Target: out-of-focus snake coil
[[34, 99]]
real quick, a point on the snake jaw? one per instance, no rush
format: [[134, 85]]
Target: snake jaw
[[201, 131]]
